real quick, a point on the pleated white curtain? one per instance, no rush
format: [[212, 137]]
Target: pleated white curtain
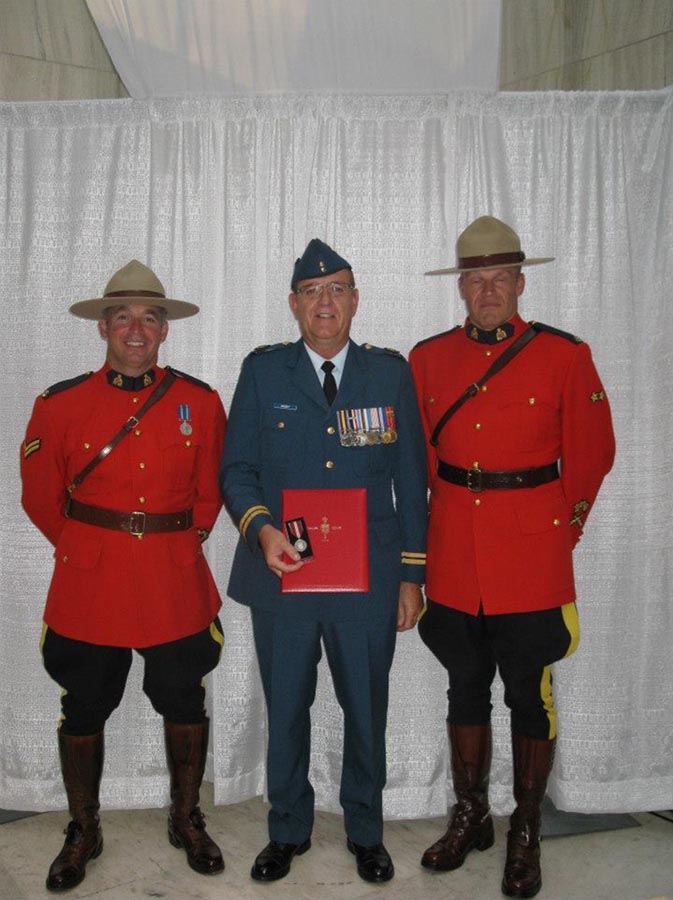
[[219, 196]]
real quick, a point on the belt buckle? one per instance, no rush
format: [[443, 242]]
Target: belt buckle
[[473, 480], [137, 523]]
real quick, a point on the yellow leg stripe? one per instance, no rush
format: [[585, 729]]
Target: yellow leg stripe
[[548, 700], [216, 635], [45, 628], [571, 621]]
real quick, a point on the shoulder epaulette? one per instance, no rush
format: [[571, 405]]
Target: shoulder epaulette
[[435, 337], [389, 350], [65, 385], [190, 378], [265, 348], [539, 326]]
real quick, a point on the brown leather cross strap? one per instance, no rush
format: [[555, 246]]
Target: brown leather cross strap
[[136, 523], [128, 426], [474, 388]]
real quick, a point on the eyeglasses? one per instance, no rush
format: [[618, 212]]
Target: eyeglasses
[[314, 291]]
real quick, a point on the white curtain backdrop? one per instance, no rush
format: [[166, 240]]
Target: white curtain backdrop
[[219, 196], [166, 48]]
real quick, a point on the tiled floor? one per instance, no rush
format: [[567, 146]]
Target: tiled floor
[[633, 863]]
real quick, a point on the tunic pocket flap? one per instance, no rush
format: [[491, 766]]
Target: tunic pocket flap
[[185, 549], [78, 550], [538, 514]]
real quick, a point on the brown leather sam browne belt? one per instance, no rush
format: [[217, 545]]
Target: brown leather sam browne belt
[[135, 523], [477, 480]]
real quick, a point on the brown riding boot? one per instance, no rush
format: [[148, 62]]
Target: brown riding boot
[[470, 826], [82, 768], [186, 749], [533, 760]]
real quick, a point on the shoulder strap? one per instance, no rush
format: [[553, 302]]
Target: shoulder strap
[[473, 389], [130, 423]]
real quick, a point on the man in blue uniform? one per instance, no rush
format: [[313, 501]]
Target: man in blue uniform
[[286, 430]]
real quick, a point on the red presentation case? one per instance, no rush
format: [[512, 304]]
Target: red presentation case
[[336, 528]]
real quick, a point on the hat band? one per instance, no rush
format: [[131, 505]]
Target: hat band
[[490, 261], [133, 293]]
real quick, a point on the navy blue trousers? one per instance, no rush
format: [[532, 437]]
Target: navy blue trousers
[[359, 654]]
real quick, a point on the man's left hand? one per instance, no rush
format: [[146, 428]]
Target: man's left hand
[[409, 605]]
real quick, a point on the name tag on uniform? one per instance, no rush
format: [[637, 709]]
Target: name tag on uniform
[[291, 407]]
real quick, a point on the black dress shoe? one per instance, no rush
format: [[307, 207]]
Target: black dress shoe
[[275, 859], [374, 863]]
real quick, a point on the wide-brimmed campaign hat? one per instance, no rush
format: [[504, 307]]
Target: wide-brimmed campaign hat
[[135, 284], [489, 243]]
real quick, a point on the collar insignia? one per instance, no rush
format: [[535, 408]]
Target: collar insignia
[[129, 383], [494, 336]]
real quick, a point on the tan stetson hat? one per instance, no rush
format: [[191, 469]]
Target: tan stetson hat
[[133, 285], [489, 243]]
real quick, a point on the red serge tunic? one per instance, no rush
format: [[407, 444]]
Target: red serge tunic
[[511, 550], [110, 587]]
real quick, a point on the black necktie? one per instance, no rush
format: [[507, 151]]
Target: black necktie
[[329, 384]]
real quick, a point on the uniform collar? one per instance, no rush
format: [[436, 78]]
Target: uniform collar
[[495, 335], [130, 382], [339, 361]]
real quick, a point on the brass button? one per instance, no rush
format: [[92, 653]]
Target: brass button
[[65, 559], [477, 502], [475, 464], [557, 521], [141, 465], [141, 499], [484, 388], [329, 464], [281, 425], [331, 429], [137, 432], [87, 445], [188, 443], [136, 400], [368, 346], [489, 353], [431, 399], [477, 426], [531, 400]]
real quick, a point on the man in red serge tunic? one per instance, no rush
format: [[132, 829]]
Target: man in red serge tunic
[[514, 470], [129, 568]]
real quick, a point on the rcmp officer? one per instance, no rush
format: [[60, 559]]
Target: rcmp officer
[[142, 496], [502, 528], [295, 425]]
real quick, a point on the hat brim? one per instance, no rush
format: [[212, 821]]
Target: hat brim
[[456, 270], [94, 308]]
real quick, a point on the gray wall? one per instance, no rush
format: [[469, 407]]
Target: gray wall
[[51, 50], [590, 45]]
